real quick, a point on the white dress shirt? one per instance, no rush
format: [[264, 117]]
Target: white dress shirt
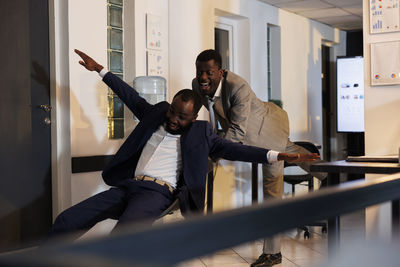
[[161, 157]]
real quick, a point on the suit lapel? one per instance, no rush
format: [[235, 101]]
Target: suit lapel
[[138, 138]]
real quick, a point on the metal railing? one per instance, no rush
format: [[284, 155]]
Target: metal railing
[[169, 244]]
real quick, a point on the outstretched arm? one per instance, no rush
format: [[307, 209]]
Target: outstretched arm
[[137, 104], [226, 149], [292, 157]]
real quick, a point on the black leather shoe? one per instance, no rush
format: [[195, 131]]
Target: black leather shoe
[[267, 260]]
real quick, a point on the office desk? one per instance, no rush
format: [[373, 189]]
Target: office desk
[[334, 169]]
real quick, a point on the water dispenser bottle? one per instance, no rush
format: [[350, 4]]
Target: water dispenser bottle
[[151, 88]]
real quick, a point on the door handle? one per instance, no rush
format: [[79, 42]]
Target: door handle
[[45, 107], [47, 121]]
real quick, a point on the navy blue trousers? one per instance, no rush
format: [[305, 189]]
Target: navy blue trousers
[[132, 201]]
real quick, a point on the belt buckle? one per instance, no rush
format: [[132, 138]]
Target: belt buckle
[[140, 178], [157, 181]]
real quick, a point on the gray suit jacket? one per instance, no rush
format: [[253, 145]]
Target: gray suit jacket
[[245, 118]]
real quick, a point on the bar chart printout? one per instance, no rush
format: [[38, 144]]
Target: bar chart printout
[[384, 16]]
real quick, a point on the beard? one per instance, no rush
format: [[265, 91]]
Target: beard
[[176, 130]]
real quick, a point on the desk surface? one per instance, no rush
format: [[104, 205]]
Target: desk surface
[[343, 166]]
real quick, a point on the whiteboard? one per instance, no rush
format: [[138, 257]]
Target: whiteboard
[[350, 94]]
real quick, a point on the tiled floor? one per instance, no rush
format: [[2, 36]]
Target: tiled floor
[[296, 250]]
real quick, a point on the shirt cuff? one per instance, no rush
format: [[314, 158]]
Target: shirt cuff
[[103, 72], [272, 156]]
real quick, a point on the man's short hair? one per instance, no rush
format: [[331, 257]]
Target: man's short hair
[[190, 95], [209, 54]]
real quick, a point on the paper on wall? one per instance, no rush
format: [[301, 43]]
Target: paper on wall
[[385, 63]]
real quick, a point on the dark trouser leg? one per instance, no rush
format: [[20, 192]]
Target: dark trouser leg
[[84, 215], [145, 202]]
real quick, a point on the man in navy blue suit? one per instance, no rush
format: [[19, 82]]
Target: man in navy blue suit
[[164, 158]]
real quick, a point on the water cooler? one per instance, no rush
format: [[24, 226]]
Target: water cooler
[[151, 88]]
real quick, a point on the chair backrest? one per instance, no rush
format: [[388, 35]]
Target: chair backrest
[[308, 145], [174, 206]]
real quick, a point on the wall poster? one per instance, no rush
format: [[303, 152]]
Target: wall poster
[[385, 63], [154, 63], [153, 32], [384, 16]]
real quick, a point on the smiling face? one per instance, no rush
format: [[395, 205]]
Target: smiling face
[[208, 75], [180, 115]]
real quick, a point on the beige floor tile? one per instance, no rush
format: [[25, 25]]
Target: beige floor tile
[[191, 263], [297, 251], [218, 260], [286, 263], [240, 264], [320, 247], [250, 250], [310, 263]]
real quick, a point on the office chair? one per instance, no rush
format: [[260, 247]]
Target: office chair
[[294, 179]]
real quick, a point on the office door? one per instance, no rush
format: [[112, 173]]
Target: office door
[[25, 173], [327, 95]]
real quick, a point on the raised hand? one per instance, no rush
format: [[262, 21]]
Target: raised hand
[[290, 157], [88, 62]]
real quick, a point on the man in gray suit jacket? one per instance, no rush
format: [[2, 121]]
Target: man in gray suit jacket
[[244, 118]]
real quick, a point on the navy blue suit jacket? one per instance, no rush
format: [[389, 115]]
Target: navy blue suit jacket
[[197, 143]]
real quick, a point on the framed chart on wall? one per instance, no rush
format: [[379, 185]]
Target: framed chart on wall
[[153, 32], [385, 63], [384, 16]]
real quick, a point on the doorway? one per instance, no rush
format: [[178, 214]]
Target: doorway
[[223, 44], [25, 184], [327, 96]]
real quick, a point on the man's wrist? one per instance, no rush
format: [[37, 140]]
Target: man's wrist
[[98, 68], [103, 72]]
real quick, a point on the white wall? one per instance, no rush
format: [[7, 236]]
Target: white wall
[[301, 73], [190, 30], [382, 123], [88, 94], [153, 7]]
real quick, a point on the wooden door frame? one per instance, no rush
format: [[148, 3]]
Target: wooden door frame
[[60, 101]]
